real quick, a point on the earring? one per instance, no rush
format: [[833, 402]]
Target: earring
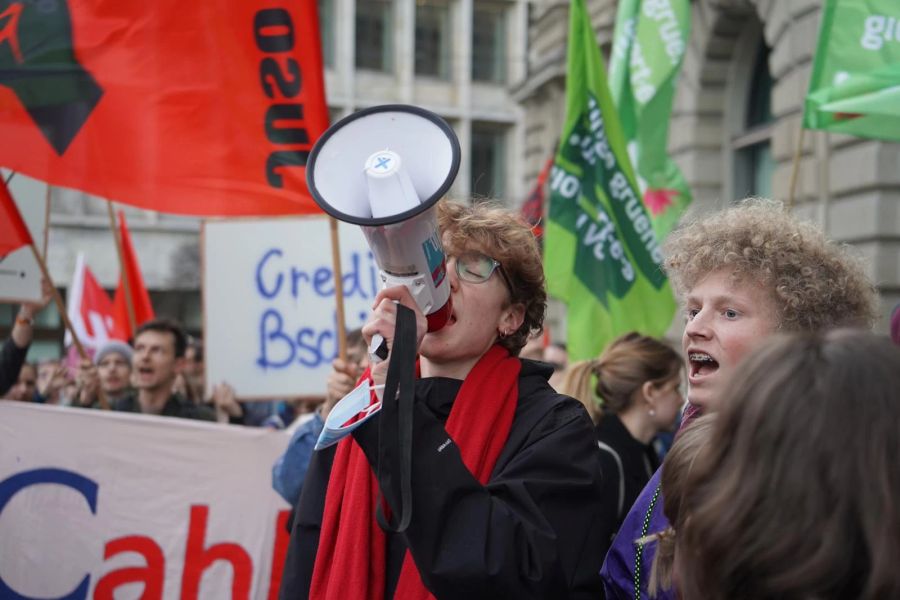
[[652, 412]]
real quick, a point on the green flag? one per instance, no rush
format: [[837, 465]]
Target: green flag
[[855, 83], [649, 43], [601, 252]]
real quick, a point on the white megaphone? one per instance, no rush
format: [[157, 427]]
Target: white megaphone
[[384, 168]]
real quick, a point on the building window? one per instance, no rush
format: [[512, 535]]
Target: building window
[[326, 31], [753, 162], [433, 41], [184, 306], [374, 35], [488, 162], [489, 42]]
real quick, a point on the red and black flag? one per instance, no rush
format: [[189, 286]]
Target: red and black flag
[[203, 107]]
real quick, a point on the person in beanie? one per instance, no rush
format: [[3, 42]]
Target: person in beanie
[[110, 371]]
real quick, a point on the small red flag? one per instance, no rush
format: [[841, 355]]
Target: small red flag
[[198, 108], [13, 232], [533, 207], [140, 298]]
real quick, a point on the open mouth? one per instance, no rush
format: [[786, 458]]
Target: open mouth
[[702, 364]]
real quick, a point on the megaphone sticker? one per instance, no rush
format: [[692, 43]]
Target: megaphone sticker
[[434, 257]]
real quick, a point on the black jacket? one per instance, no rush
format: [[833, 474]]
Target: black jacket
[[627, 467], [11, 360], [532, 532], [176, 406]]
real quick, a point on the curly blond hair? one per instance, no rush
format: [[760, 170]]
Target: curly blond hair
[[815, 283], [505, 237]]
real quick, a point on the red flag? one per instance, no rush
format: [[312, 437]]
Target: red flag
[[140, 298], [89, 308], [180, 107], [13, 232], [533, 207]]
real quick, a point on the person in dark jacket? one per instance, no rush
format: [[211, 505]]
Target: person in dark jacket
[[505, 472], [632, 392], [157, 358], [14, 349]]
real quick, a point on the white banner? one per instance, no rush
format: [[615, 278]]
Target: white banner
[[106, 505], [268, 302]]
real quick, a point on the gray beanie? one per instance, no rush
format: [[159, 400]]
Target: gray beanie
[[113, 346]]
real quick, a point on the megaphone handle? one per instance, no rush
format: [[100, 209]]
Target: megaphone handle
[[378, 350]]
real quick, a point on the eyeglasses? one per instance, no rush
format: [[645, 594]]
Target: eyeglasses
[[475, 267]]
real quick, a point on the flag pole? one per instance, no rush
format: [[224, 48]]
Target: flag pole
[[47, 221], [129, 304], [338, 288], [61, 308], [795, 168]]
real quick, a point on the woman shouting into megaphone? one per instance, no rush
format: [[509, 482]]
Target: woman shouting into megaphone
[[505, 472]]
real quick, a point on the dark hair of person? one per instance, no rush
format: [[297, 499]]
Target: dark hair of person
[[622, 368], [355, 338], [796, 493], [164, 325], [197, 344]]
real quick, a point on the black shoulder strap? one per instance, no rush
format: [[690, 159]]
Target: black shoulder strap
[[397, 417]]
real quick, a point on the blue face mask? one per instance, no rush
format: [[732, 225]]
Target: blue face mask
[[357, 402]]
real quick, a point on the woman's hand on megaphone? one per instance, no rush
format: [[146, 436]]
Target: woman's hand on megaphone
[[384, 319]]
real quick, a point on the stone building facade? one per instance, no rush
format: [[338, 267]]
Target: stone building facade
[[736, 122]]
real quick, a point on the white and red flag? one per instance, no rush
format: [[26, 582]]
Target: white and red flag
[[90, 309]]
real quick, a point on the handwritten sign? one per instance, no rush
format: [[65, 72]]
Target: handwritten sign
[[269, 308], [20, 275]]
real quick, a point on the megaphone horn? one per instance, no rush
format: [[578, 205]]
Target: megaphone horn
[[384, 168]]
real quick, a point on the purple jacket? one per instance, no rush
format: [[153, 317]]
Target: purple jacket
[[626, 570]]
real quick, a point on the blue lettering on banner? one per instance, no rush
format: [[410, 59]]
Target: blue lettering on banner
[[271, 330], [263, 290], [88, 488], [282, 345]]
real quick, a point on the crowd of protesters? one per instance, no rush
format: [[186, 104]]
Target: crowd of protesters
[[781, 483], [159, 373]]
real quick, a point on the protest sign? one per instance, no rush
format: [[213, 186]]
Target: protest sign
[[20, 275], [268, 302], [104, 505]]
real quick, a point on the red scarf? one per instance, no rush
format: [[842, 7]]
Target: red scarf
[[350, 562]]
